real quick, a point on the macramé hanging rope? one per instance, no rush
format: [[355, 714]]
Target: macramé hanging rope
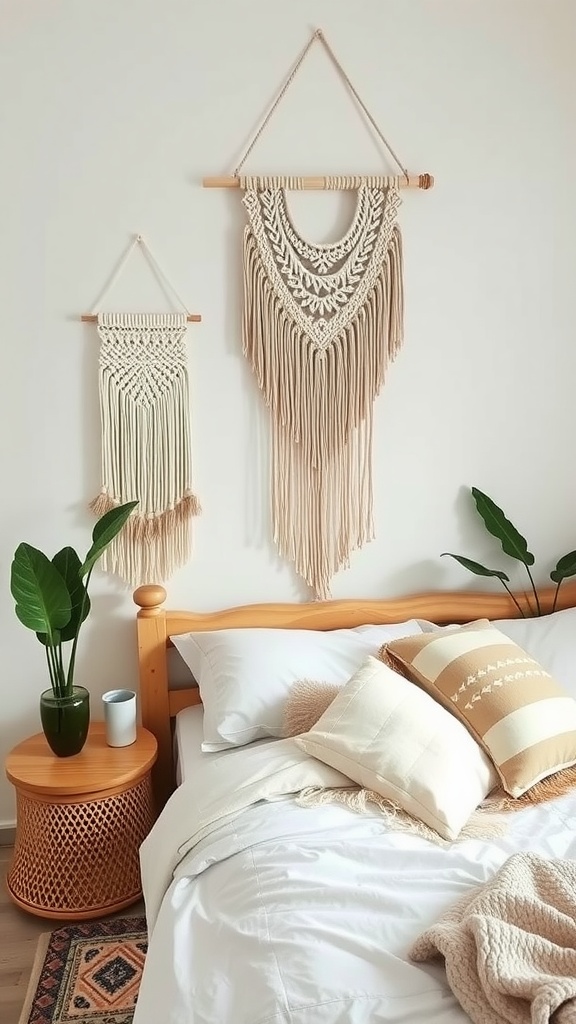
[[321, 324], [144, 405]]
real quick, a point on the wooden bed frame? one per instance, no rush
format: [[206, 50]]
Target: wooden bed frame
[[155, 626]]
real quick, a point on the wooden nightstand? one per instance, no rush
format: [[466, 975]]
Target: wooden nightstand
[[80, 822]]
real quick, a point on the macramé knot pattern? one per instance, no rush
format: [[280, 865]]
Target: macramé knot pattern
[[146, 449], [321, 325], [144, 362]]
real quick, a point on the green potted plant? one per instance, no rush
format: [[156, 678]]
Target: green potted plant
[[52, 599], [515, 546]]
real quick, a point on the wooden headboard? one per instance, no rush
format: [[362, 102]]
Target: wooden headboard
[[156, 625]]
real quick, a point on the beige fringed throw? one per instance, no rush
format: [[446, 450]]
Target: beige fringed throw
[[146, 456], [321, 324], [484, 823]]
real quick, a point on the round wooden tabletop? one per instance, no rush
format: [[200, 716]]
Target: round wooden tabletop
[[32, 765]]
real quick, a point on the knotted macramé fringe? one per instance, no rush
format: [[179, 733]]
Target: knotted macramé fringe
[[554, 786], [321, 404], [488, 821], [146, 451], [150, 547], [483, 824]]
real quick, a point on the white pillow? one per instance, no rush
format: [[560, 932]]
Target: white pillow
[[550, 640], [245, 675], [388, 735]]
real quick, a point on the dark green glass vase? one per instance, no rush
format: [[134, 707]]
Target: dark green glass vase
[[65, 720]]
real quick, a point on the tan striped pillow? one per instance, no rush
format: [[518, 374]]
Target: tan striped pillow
[[523, 718]]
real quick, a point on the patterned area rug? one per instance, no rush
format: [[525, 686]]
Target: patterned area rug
[[87, 973]]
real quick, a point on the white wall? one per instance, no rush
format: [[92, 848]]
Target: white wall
[[111, 112]]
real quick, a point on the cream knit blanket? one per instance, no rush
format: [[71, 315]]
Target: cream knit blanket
[[510, 945]]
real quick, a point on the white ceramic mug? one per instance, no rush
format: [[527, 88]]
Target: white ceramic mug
[[120, 717]]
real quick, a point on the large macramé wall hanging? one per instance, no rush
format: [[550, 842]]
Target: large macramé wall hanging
[[146, 446], [321, 324]]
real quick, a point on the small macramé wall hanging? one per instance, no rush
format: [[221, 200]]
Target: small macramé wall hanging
[[146, 445], [321, 324]]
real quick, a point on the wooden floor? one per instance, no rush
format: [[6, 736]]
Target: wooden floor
[[19, 934]]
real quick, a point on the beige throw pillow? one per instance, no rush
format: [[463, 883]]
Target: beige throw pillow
[[388, 736], [523, 718]]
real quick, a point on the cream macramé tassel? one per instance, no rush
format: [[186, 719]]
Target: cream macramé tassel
[[146, 456], [321, 325]]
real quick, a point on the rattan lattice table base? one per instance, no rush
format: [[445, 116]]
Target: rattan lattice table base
[[79, 859], [80, 823]]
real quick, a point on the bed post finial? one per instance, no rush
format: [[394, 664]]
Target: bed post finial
[[150, 599]]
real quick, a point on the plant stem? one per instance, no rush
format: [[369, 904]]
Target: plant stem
[[61, 673], [538, 608], [556, 595], [53, 668], [72, 662], [520, 609], [53, 678], [58, 670]]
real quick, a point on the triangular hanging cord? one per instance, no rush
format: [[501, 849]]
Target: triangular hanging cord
[[330, 181], [92, 316]]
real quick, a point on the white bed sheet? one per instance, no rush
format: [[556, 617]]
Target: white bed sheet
[[187, 740], [188, 736], [281, 914]]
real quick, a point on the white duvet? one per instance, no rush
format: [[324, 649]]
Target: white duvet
[[264, 912]]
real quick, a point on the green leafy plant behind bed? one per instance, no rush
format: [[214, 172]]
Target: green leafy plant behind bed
[[514, 545]]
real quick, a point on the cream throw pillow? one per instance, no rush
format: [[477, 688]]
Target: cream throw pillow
[[523, 718], [387, 735]]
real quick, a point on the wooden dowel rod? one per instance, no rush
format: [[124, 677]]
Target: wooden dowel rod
[[424, 181], [92, 318]]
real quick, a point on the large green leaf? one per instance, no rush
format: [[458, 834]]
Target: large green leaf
[[565, 567], [475, 567], [68, 565], [42, 599], [513, 543], [107, 527]]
